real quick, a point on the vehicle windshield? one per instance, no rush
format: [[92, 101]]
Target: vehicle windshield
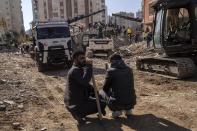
[[196, 22], [177, 26], [158, 29], [196, 12], [53, 32]]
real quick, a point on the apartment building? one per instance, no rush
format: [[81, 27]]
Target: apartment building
[[98, 5], [11, 17], [46, 10], [148, 13], [125, 22], [139, 14]]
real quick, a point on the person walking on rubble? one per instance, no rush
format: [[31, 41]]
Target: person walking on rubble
[[119, 87], [78, 91], [149, 37]]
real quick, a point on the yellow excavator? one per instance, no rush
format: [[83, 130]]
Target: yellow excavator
[[174, 39]]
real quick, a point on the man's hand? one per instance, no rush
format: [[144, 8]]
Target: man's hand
[[89, 62], [103, 94]]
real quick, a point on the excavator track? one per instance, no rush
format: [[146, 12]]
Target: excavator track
[[178, 68]]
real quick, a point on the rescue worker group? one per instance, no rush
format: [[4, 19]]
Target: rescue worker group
[[117, 93]]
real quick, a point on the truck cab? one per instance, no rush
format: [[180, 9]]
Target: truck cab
[[53, 45]]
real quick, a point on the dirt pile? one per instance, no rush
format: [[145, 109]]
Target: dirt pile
[[137, 49], [120, 42]]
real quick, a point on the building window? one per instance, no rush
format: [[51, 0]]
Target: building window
[[69, 8], [50, 8], [45, 3], [90, 3], [61, 4], [62, 11], [151, 10], [55, 14], [45, 10], [75, 7]]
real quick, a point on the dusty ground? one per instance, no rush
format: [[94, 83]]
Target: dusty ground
[[34, 101]]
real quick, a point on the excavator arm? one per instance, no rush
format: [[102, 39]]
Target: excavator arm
[[127, 17], [80, 17]]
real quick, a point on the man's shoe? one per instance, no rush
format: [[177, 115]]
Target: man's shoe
[[103, 112], [80, 120], [128, 113], [116, 114]]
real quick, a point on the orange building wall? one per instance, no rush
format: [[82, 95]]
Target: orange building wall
[[148, 18]]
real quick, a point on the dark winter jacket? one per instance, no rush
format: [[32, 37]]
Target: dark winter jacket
[[78, 86], [149, 37], [119, 84]]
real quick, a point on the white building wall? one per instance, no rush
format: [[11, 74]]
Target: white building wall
[[106, 15], [41, 10], [40, 13], [11, 14]]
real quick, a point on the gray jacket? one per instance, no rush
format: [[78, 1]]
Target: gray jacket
[[78, 87]]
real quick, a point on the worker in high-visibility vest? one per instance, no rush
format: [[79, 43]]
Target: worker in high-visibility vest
[[2, 23], [129, 33]]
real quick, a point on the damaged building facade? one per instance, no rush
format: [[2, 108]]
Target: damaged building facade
[[49, 10], [148, 13]]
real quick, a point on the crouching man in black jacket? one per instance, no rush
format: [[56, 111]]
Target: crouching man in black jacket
[[119, 87], [78, 90]]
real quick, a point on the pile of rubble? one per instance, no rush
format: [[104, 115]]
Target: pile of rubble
[[120, 42], [137, 49]]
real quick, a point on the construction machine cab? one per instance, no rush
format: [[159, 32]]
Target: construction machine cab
[[175, 26]]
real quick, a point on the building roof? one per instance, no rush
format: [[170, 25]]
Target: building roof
[[173, 3]]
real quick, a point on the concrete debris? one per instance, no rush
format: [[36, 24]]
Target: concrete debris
[[17, 98], [44, 129], [21, 106], [22, 91], [133, 49], [9, 102], [2, 108], [1, 102], [16, 126], [3, 81]]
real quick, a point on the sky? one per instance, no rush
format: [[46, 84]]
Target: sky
[[114, 6], [27, 13]]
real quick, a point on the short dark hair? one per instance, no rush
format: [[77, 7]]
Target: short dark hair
[[115, 56], [77, 54]]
